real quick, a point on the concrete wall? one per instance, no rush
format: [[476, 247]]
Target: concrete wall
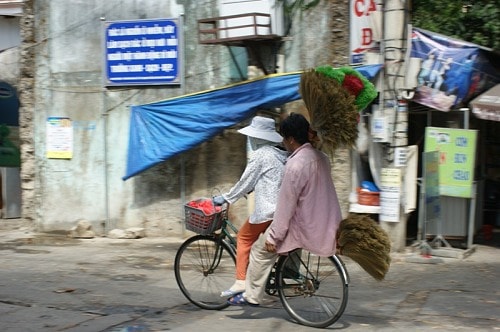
[[68, 79], [61, 75]]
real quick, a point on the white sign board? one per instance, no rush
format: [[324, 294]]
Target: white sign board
[[364, 29], [390, 194]]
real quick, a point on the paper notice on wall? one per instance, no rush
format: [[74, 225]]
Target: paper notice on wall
[[390, 194], [59, 138], [400, 156]]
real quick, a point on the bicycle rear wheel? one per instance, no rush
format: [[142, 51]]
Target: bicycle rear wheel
[[313, 289], [204, 266]]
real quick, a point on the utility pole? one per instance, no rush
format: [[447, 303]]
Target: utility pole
[[339, 47], [394, 50]]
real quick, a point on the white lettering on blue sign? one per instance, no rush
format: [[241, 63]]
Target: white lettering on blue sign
[[142, 52]]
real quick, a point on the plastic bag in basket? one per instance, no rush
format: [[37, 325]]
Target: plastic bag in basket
[[206, 205]]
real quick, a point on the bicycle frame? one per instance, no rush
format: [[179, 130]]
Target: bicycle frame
[[226, 236], [228, 233]]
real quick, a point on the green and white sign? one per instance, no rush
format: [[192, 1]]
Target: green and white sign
[[457, 154]]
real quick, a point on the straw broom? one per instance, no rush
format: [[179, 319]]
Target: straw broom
[[365, 242], [334, 97]]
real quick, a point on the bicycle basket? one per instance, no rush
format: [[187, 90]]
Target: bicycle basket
[[199, 222]]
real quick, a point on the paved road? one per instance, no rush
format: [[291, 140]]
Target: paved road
[[53, 283]]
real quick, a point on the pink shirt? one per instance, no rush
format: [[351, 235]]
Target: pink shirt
[[308, 212]]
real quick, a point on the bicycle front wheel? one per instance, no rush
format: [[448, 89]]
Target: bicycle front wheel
[[313, 289], [204, 266]]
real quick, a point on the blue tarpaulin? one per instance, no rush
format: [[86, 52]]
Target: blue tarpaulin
[[161, 130]]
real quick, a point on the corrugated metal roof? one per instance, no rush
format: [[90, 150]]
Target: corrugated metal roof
[[487, 105]]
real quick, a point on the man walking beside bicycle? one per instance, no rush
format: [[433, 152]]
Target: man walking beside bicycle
[[307, 213]]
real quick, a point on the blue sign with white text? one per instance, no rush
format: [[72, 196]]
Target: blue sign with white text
[[142, 52]]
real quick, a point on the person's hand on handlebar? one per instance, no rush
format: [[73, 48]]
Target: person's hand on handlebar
[[219, 200]]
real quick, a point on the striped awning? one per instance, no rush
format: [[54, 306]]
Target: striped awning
[[487, 105]]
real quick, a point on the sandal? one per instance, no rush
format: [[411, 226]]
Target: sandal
[[238, 299]]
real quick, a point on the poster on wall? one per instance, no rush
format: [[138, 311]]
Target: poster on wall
[[365, 25], [59, 138], [142, 52], [457, 154], [390, 194], [450, 72]]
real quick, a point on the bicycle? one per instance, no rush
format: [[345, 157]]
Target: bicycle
[[312, 289]]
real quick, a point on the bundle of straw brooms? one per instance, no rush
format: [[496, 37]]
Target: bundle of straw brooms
[[365, 242], [333, 98]]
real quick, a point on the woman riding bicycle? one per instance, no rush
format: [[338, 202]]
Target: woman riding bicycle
[[262, 175]]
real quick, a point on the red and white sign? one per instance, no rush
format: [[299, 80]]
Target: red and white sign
[[364, 28]]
